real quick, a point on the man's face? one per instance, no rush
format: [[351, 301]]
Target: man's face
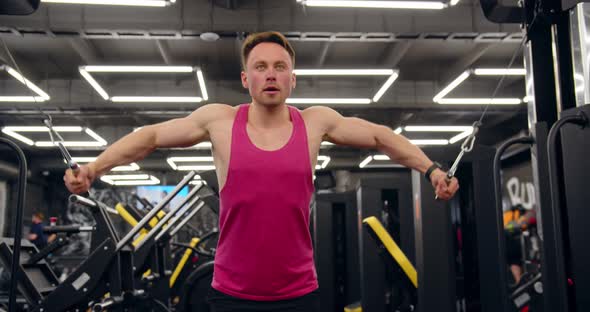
[[269, 74]]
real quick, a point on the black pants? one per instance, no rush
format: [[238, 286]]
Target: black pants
[[220, 302]]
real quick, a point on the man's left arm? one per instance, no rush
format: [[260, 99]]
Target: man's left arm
[[360, 133]]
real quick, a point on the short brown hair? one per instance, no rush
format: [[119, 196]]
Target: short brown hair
[[39, 215], [268, 36]]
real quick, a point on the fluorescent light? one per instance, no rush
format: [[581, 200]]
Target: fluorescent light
[[460, 136], [527, 99], [198, 182], [429, 142], [385, 86], [452, 85], [325, 160], [326, 143], [438, 128], [499, 71], [94, 84], [381, 157], [428, 5], [203, 145], [152, 99], [344, 72], [95, 136], [131, 167], [148, 3], [454, 2], [137, 69], [327, 101], [70, 144], [130, 179], [26, 82], [398, 130], [365, 161], [480, 101], [17, 136], [21, 99], [13, 129], [201, 80], [208, 160]]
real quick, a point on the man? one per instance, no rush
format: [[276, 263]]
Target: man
[[264, 153], [36, 234]]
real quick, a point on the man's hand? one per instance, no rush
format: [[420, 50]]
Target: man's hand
[[444, 188], [79, 182]]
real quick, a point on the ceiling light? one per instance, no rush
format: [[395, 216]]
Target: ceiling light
[[137, 69], [86, 70], [131, 167], [430, 142], [438, 128], [207, 160], [385, 86], [425, 5], [398, 130], [344, 72], [94, 83], [12, 131], [42, 96], [148, 3], [499, 71], [201, 80], [452, 85], [325, 160], [439, 98], [151, 99], [460, 136], [130, 179], [480, 101], [327, 101], [366, 162]]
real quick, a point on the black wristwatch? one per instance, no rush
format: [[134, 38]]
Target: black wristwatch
[[428, 172]]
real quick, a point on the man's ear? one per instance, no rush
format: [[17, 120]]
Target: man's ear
[[244, 79]]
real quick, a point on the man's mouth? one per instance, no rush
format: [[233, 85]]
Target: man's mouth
[[271, 90]]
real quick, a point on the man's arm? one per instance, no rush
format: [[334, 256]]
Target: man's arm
[[180, 132], [360, 133]]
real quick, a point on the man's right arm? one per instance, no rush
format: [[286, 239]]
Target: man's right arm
[[179, 132]]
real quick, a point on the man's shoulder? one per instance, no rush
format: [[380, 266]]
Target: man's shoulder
[[321, 114], [216, 111]]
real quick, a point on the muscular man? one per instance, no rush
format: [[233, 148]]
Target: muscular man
[[265, 153]]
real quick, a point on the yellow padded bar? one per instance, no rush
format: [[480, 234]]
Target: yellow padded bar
[[187, 253], [394, 250], [155, 220]]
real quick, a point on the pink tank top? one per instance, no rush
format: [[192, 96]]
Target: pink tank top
[[264, 251]]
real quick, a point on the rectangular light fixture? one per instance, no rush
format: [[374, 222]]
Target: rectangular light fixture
[[480, 101], [366, 162], [137, 69], [440, 97], [203, 163], [154, 99], [84, 160], [146, 3], [385, 86], [86, 70], [393, 75], [499, 71], [94, 83], [197, 180], [438, 128], [13, 131], [398, 130], [325, 160], [430, 142], [42, 96], [201, 80], [464, 75], [421, 5], [130, 179], [327, 101], [343, 72]]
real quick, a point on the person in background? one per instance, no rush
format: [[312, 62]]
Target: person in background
[[36, 235]]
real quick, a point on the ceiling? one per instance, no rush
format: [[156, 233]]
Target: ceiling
[[428, 48]]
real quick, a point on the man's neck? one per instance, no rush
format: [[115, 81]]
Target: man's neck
[[263, 116]]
